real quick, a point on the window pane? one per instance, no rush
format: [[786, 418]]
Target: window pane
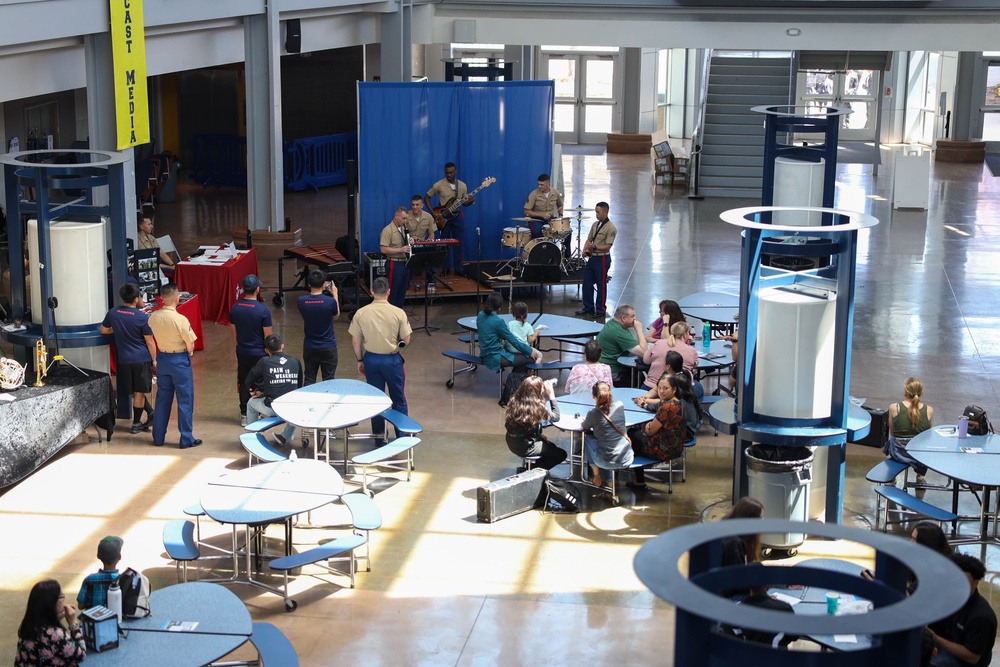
[[565, 118], [992, 85], [991, 126], [819, 83], [600, 83], [858, 120], [597, 118], [563, 72]]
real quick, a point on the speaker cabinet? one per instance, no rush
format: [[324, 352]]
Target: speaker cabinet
[[293, 36]]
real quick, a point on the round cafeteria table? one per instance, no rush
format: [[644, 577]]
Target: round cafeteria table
[[941, 449], [719, 309], [558, 326], [329, 406], [580, 404], [224, 624]]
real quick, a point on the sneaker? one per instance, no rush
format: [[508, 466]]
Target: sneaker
[[280, 440], [584, 311], [243, 420], [136, 428]]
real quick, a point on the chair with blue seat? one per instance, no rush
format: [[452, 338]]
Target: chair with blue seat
[[259, 448], [365, 517], [179, 542]]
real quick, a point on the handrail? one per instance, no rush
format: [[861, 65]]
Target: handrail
[[696, 137]]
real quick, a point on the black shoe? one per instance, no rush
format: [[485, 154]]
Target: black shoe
[[584, 311], [136, 428], [157, 444], [520, 469], [149, 416], [600, 316], [280, 440], [193, 444]]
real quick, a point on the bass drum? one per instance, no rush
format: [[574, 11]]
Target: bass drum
[[542, 252]]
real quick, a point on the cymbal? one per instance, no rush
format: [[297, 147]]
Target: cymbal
[[578, 209], [522, 219]]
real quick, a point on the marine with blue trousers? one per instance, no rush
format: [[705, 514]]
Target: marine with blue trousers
[[175, 342], [135, 350], [319, 309], [251, 322], [378, 331], [595, 273], [394, 243]]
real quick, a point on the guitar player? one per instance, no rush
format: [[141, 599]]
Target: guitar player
[[448, 190]]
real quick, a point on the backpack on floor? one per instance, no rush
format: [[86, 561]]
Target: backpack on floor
[[561, 496], [510, 386], [979, 423], [135, 593]]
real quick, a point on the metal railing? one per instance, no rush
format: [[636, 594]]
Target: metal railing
[[699, 130]]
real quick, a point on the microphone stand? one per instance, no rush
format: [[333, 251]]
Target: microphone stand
[[53, 303]]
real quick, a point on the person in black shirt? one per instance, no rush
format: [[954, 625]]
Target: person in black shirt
[[251, 324], [135, 351], [319, 309], [273, 376], [967, 636]]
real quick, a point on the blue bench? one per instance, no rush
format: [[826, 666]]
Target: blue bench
[[323, 552], [179, 543], [259, 448], [886, 472], [387, 456], [365, 517], [571, 340], [264, 424], [404, 424], [552, 365], [913, 504], [472, 364], [273, 647]]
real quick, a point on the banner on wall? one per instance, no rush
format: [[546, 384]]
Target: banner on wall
[[407, 132], [128, 45]]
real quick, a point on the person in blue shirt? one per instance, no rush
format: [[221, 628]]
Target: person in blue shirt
[[135, 350], [94, 589], [251, 322], [319, 309], [492, 331]]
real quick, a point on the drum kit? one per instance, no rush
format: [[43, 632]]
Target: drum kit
[[545, 250]]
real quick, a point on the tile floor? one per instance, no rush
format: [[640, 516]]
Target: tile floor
[[540, 589]]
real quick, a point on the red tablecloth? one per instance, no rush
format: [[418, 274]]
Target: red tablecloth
[[189, 308], [217, 286]]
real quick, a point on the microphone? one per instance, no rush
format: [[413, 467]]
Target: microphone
[[477, 232]]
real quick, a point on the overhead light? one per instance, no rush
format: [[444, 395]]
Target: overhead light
[[793, 32]]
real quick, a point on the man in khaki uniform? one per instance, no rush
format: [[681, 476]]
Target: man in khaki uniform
[[175, 342], [394, 243], [595, 273], [450, 189], [543, 204], [378, 331], [419, 222]]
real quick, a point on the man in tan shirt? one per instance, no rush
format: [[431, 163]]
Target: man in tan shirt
[[175, 342], [419, 222], [378, 331], [595, 273]]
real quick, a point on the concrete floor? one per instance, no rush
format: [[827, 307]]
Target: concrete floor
[[538, 588]]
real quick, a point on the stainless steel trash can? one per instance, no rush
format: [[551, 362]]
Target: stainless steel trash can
[[779, 478]]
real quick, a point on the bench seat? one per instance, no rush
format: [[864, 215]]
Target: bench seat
[[259, 448], [264, 423], [323, 552], [273, 647], [403, 423], [886, 472], [912, 503], [388, 456]]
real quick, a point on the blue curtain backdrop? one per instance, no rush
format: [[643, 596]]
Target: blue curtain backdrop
[[408, 131]]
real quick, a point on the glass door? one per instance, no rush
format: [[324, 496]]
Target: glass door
[[586, 94], [990, 103], [854, 89]]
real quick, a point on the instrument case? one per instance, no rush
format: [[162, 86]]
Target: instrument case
[[511, 495]]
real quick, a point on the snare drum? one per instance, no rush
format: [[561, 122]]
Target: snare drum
[[559, 227], [516, 237], [542, 252]]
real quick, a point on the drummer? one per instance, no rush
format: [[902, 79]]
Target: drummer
[[543, 204]]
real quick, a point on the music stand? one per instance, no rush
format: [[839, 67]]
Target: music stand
[[424, 262]]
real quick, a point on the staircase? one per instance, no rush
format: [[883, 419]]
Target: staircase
[[732, 154]]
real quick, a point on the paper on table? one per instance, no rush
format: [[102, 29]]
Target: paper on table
[[972, 450], [845, 639], [180, 626], [786, 598], [947, 431]]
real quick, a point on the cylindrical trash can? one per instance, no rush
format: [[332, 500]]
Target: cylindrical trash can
[[779, 478], [169, 192]]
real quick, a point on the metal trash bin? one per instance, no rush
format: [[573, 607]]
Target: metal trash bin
[[779, 478]]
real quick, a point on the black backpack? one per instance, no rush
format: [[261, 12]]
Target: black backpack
[[979, 423], [135, 593]]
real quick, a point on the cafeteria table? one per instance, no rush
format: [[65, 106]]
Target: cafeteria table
[[574, 407], [224, 624], [555, 326], [331, 405], [719, 309], [974, 460], [268, 493], [219, 283]]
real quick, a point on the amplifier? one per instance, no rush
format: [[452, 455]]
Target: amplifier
[[374, 266]]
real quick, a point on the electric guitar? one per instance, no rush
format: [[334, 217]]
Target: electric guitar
[[449, 210]]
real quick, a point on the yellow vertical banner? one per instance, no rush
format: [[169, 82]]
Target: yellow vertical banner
[[128, 44]]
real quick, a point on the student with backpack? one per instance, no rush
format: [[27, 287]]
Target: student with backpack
[[94, 589]]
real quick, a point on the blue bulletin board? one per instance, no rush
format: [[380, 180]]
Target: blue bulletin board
[[408, 131]]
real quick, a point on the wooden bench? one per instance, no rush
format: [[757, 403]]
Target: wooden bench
[[259, 448], [387, 456], [323, 552], [264, 424], [913, 504]]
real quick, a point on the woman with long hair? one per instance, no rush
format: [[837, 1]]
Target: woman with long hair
[[662, 438], [907, 418], [608, 448], [743, 549], [678, 341], [670, 313], [492, 332], [533, 404], [42, 638]]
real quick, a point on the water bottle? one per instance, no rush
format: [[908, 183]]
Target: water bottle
[[706, 334], [115, 599], [292, 456]]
